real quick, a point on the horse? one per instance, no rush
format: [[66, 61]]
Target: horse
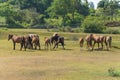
[[47, 42], [108, 41], [88, 40], [81, 41], [17, 39], [57, 39], [35, 41], [97, 39], [28, 41]]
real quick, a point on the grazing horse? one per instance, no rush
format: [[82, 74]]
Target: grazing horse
[[81, 42], [88, 40], [17, 39], [35, 41], [47, 42], [57, 39]]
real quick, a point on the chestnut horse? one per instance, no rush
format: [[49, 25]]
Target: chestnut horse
[[17, 39], [47, 42], [88, 40], [35, 41], [98, 39]]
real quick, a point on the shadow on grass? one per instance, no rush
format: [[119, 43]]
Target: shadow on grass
[[116, 47]]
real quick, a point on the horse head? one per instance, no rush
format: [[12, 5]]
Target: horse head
[[10, 36]]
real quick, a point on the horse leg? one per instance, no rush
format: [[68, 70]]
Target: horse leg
[[24, 46], [93, 46], [55, 45], [62, 43], [50, 45], [21, 46], [38, 44], [102, 45], [87, 45], [35, 46], [14, 45], [106, 43]]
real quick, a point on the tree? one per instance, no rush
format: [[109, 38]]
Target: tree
[[110, 8], [61, 8]]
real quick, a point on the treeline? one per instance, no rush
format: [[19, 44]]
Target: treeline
[[59, 14]]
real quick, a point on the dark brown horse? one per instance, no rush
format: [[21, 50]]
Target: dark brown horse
[[35, 41], [17, 39], [56, 40], [47, 42]]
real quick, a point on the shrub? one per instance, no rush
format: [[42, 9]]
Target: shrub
[[92, 25], [112, 72], [112, 31]]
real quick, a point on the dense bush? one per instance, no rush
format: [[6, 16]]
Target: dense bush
[[92, 25]]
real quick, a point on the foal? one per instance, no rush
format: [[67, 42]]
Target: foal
[[47, 42], [17, 39], [81, 41]]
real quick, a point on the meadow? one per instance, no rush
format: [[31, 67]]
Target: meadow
[[73, 63]]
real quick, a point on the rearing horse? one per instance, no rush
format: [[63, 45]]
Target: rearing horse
[[17, 39]]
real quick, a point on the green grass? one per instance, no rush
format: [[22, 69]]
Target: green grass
[[72, 63]]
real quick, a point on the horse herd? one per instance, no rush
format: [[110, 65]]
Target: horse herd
[[32, 41], [99, 39]]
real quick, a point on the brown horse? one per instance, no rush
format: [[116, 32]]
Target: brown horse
[[56, 40], [47, 42], [88, 40], [35, 41], [81, 41], [17, 39], [97, 39]]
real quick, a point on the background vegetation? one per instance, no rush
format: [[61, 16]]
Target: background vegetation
[[61, 15]]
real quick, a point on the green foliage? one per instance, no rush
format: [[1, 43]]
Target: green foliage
[[114, 73], [74, 22], [109, 8], [112, 31], [92, 25], [56, 22], [57, 13]]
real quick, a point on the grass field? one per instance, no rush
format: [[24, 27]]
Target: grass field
[[72, 63]]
